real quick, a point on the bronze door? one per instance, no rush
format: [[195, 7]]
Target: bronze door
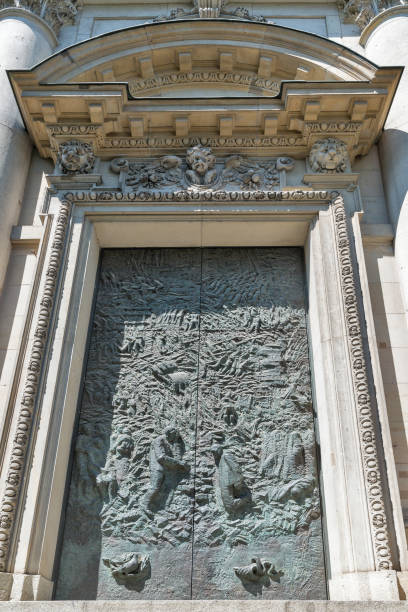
[[194, 472]]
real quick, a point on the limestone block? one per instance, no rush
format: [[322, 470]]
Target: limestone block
[[365, 586]]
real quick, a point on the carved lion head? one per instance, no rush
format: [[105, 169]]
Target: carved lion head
[[328, 156], [200, 159], [75, 157]]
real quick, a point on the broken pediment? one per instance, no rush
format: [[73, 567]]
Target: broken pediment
[[225, 83]]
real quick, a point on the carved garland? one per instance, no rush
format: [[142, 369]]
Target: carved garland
[[15, 472], [366, 423]]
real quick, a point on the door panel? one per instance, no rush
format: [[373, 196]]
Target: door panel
[[195, 451], [256, 490]]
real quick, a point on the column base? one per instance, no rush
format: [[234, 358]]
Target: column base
[[29, 587], [365, 586]]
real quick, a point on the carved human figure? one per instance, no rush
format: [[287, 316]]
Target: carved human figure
[[117, 467], [166, 454], [328, 156], [235, 494], [283, 461], [201, 162]]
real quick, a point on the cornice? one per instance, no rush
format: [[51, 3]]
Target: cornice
[[246, 111]]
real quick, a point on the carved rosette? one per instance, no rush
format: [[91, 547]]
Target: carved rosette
[[17, 463], [56, 13], [366, 419]]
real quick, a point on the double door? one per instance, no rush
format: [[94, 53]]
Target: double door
[[194, 473]]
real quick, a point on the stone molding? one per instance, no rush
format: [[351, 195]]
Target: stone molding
[[184, 195], [55, 13], [25, 416], [203, 76], [364, 404]]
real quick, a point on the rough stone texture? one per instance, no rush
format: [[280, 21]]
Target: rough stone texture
[[206, 606], [196, 440]]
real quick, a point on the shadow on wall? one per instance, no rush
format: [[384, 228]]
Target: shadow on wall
[[393, 150]]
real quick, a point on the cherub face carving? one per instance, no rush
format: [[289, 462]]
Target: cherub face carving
[[328, 156], [75, 157], [201, 162]]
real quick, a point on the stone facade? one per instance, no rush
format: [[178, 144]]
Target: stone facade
[[200, 126]]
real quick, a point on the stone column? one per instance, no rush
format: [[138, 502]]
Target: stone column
[[25, 40], [386, 43], [28, 34]]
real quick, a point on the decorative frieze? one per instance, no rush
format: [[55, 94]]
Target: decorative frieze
[[73, 130], [330, 127], [56, 13], [25, 417], [363, 401], [201, 170], [207, 195], [202, 9], [213, 76], [206, 141]]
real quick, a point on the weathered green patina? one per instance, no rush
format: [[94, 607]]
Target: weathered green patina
[[194, 474]]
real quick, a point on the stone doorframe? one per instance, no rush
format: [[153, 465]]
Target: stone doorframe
[[364, 535]]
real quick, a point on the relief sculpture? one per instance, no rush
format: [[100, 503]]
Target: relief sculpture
[[166, 465], [234, 492], [201, 170], [129, 567], [195, 443]]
